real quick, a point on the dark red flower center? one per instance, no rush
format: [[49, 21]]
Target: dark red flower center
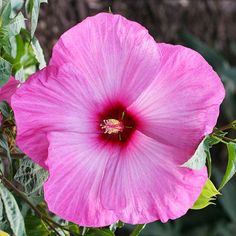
[[116, 124]]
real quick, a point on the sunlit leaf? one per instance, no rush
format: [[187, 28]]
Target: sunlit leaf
[[231, 166], [17, 4], [38, 52], [198, 160], [202, 153], [32, 7], [4, 145], [118, 224], [5, 11], [207, 196], [12, 211], [16, 24], [30, 175], [20, 75], [2, 233]]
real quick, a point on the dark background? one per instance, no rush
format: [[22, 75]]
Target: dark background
[[212, 21], [207, 26]]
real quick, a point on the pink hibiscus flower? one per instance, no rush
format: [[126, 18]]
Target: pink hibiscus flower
[[113, 118], [6, 92]]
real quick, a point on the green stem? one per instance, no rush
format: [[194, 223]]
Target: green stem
[[137, 230], [219, 138], [225, 127], [223, 138]]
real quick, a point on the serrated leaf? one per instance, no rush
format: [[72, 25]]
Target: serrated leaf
[[208, 194], [12, 211], [5, 45], [38, 52], [30, 175], [231, 165], [16, 24], [5, 71]]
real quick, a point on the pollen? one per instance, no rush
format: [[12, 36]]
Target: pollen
[[112, 126]]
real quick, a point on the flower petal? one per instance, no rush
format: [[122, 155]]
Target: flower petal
[[8, 89], [76, 165], [145, 182], [182, 105], [52, 100], [117, 56]]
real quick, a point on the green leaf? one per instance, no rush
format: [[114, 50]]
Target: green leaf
[[16, 24], [208, 194], [229, 192], [4, 145], [30, 175], [38, 52], [74, 228], [5, 11], [202, 153], [100, 232], [5, 45], [12, 211], [1, 207], [231, 165], [1, 165], [33, 7], [137, 230], [5, 109], [5, 71], [118, 224], [34, 226], [17, 4], [20, 75], [198, 160]]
